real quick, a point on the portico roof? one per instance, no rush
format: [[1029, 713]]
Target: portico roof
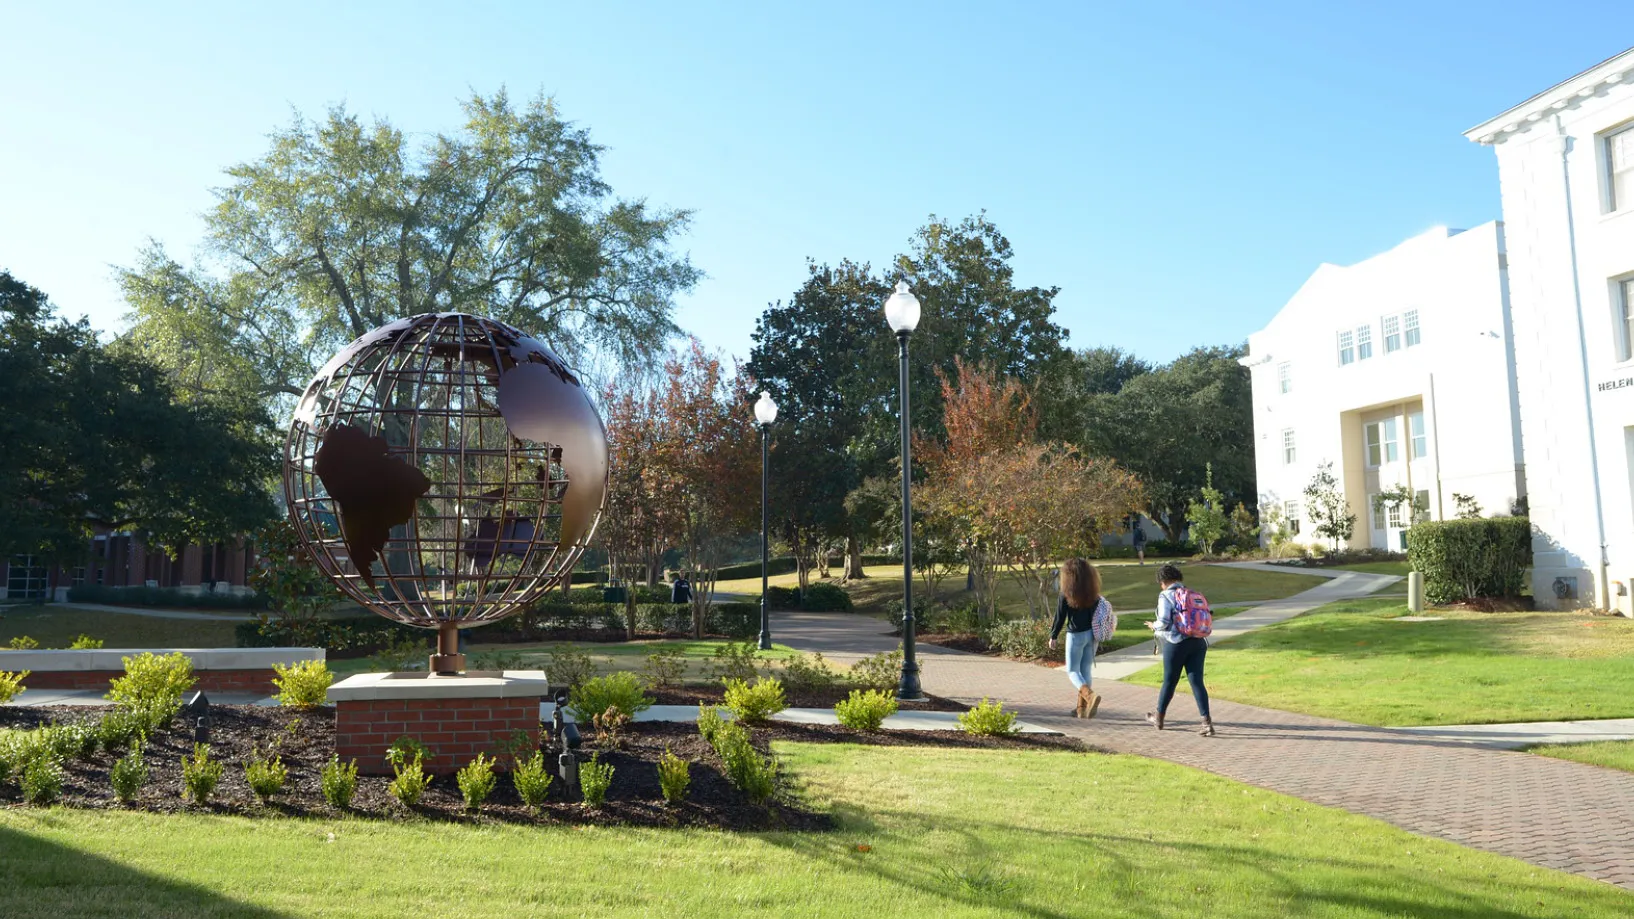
[[1590, 83]]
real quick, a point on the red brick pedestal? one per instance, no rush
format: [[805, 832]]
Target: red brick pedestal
[[456, 717]]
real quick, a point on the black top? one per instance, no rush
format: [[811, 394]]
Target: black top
[[1140, 537], [1076, 620]]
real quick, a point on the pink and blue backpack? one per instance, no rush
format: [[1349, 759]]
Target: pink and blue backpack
[[1191, 616]]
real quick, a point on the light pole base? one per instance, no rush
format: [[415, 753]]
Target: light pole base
[[908, 689], [765, 626]]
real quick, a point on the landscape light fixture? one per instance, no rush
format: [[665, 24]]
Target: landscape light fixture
[[765, 414], [902, 314]]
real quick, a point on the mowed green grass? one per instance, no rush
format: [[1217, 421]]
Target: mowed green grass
[[1612, 754], [1126, 585], [55, 626], [608, 657], [922, 832], [1350, 660]]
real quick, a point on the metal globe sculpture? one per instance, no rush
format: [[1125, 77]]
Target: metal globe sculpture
[[445, 470]]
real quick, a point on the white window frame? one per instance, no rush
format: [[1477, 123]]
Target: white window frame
[[1418, 440], [1373, 444], [1618, 147], [1290, 511], [1364, 341], [1409, 328], [1622, 304], [1285, 377], [1347, 347], [1392, 516], [1421, 505], [1289, 452], [1392, 443], [1377, 508], [1390, 326]]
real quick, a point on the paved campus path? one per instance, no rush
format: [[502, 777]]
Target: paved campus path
[[1549, 812], [155, 613]]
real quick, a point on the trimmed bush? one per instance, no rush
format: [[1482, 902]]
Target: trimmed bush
[[85, 643], [42, 782], [151, 677], [11, 685], [265, 777], [782, 598], [753, 774], [1466, 559], [339, 782], [808, 673], [882, 671], [665, 668], [409, 783], [595, 777], [476, 781], [302, 686], [595, 696], [989, 719], [754, 703], [128, 775], [200, 774], [734, 620], [24, 643], [732, 661], [865, 710], [568, 668], [673, 777], [1023, 639], [826, 598], [532, 777], [709, 722]]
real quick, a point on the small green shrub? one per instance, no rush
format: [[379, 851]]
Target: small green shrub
[[152, 677], [24, 643], [339, 782], [616, 690], [882, 671], [302, 686], [674, 775], [568, 668], [754, 703], [265, 777], [826, 598], [85, 643], [129, 774], [121, 727], [753, 774], [709, 722], [42, 782], [595, 777], [988, 719], [19, 748], [782, 598], [1023, 639], [200, 774], [80, 739], [532, 778], [11, 685], [476, 780], [405, 750], [804, 673], [733, 660], [409, 782], [665, 668], [1467, 559], [865, 710]]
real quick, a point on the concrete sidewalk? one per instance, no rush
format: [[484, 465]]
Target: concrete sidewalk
[[1525, 734], [151, 613]]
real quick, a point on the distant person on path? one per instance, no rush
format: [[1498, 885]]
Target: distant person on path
[[681, 590], [1089, 620], [1182, 627], [1140, 543]]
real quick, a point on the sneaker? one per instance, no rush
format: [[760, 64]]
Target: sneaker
[[1155, 719]]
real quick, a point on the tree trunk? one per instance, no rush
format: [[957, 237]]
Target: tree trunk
[[629, 612], [853, 558]]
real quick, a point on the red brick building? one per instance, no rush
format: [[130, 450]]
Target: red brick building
[[124, 560]]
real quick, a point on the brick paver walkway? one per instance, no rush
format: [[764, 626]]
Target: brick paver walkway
[[1549, 812]]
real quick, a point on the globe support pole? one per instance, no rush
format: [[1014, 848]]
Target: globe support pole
[[448, 659]]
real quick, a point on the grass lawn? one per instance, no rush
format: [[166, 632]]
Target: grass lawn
[[923, 832], [1349, 660], [56, 626], [1127, 585], [607, 656], [1613, 754]]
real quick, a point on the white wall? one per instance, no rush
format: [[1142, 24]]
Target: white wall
[[1565, 251], [1461, 372]]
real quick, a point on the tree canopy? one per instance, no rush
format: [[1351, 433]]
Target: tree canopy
[[96, 435], [342, 226]]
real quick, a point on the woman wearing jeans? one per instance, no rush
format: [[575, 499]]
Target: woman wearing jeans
[[1089, 620], [1179, 652]]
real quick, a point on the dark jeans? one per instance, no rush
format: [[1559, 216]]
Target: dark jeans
[[1188, 654]]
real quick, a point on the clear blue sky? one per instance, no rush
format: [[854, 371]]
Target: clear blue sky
[[1178, 169]]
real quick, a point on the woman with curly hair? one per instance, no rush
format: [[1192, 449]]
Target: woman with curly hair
[[1089, 621]]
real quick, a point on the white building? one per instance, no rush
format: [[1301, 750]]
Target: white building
[[1566, 171], [1398, 371]]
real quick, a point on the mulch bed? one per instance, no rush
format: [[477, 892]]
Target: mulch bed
[[305, 742], [714, 694]]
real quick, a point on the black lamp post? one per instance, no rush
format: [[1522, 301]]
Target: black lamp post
[[765, 414], [902, 314]]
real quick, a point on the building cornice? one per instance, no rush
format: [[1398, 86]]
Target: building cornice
[[1595, 81]]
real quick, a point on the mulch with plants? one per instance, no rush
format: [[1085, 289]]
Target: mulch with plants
[[715, 694], [305, 741]]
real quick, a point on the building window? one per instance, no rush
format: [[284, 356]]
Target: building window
[[1409, 322], [1421, 506], [1347, 348], [1382, 448], [1285, 377], [25, 578], [1364, 342], [1624, 295], [1392, 333], [1393, 516], [1290, 510], [1420, 446], [1620, 170], [1378, 511], [1287, 446]]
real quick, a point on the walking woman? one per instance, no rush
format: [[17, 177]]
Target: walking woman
[[1089, 620], [1181, 651]]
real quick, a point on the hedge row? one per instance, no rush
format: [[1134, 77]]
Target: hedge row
[[784, 564], [817, 598], [164, 597], [1465, 559]]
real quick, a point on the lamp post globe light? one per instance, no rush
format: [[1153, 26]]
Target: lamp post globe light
[[902, 314], [765, 414]]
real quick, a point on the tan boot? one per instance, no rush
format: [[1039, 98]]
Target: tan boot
[[1083, 702], [1094, 702]]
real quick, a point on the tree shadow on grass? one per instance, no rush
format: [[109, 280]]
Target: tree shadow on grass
[[42, 879], [1268, 880]]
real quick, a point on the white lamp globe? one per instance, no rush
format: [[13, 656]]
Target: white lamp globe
[[765, 409], [902, 309]]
